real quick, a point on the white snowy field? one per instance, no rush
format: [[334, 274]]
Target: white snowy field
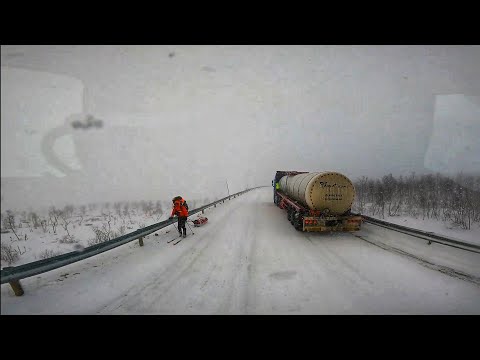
[[40, 242], [248, 259]]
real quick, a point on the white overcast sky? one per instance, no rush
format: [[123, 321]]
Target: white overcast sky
[[188, 119]]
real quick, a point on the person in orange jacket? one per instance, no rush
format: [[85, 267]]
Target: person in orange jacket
[[180, 209]]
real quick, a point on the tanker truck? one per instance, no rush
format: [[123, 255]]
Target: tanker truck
[[316, 201]]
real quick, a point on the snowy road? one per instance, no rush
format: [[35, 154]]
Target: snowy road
[[249, 259]]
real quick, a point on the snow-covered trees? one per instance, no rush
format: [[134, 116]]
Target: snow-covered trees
[[455, 199]]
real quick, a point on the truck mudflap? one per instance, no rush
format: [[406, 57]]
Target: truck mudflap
[[320, 224]]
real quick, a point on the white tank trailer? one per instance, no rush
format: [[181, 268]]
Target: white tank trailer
[[316, 201]]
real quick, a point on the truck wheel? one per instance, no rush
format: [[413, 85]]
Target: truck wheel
[[298, 226], [297, 221]]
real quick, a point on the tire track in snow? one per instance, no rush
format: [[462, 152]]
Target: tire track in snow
[[350, 273], [150, 295], [240, 293], [441, 268]]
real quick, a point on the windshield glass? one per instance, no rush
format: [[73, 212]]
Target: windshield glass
[[97, 140]]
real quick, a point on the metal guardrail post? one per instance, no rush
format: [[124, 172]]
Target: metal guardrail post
[[17, 287], [140, 241]]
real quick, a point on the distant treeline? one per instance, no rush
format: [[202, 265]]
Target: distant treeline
[[455, 199]]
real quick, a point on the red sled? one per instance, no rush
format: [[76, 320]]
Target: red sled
[[200, 221]]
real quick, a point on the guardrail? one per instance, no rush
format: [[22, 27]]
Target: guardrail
[[14, 274], [429, 236]]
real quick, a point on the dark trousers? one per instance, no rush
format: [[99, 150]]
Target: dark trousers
[[182, 220]]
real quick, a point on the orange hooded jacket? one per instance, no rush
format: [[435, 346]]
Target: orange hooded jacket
[[179, 209]]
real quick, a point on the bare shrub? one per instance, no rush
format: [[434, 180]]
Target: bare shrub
[[126, 209], [68, 239], [54, 214], [9, 254], [158, 210], [92, 242], [34, 219], [20, 252], [44, 224], [65, 215], [104, 233], [68, 210], [117, 206], [122, 230], [9, 223], [48, 254]]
